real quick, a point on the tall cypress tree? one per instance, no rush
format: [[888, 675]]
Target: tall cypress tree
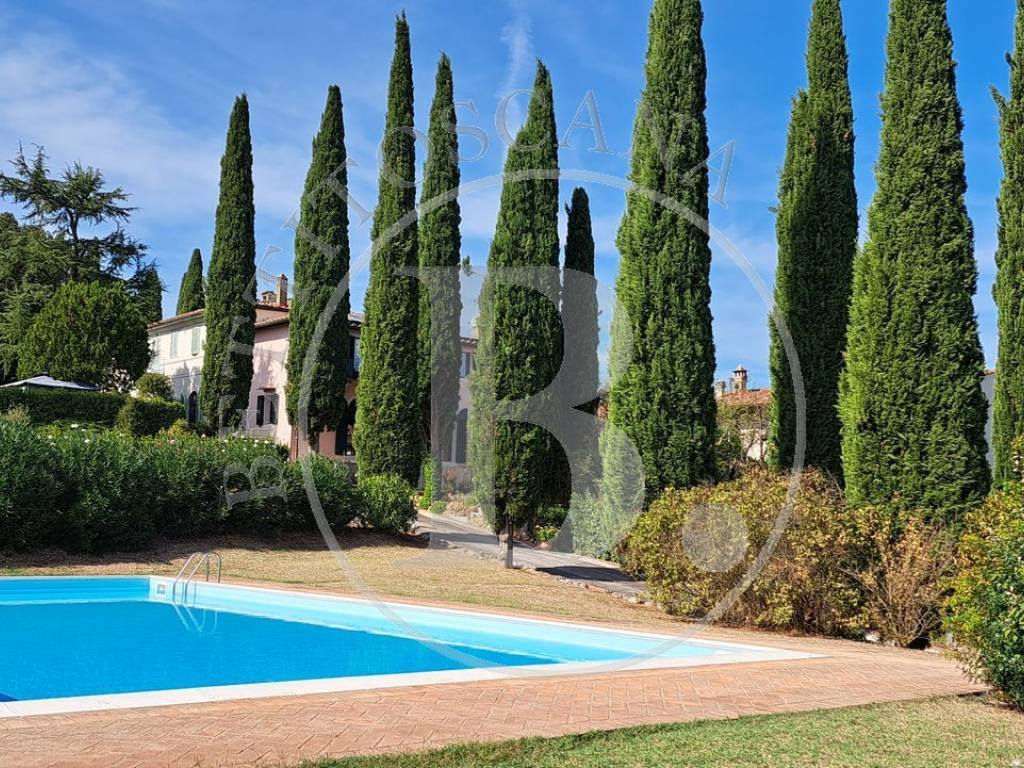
[[911, 404], [581, 333], [817, 235], [191, 295], [388, 433], [1008, 416], [520, 327], [440, 245], [663, 399], [321, 263], [231, 284]]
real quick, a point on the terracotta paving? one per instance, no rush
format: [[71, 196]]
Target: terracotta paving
[[286, 730]]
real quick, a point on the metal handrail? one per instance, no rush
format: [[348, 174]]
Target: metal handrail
[[200, 559]]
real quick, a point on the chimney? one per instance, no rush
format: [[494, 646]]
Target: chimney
[[719, 390], [282, 291], [739, 379], [269, 298]]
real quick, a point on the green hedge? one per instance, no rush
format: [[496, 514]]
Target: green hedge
[[145, 417], [92, 490], [46, 406]]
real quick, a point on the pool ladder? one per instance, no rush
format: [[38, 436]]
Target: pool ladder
[[196, 560]]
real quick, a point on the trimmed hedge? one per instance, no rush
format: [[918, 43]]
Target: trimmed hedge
[[46, 406], [145, 417], [90, 490], [986, 610]]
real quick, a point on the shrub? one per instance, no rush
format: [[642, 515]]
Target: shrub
[[339, 498], [599, 525], [113, 495], [180, 429], [145, 417], [986, 610], [33, 487], [904, 582], [155, 385], [427, 497], [47, 406], [386, 503], [695, 545], [16, 415]]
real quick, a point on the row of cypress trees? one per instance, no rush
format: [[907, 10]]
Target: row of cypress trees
[[900, 416]]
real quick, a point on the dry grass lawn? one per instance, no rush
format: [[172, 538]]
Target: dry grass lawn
[[369, 563]]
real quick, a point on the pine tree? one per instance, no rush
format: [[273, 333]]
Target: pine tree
[[321, 264], [520, 327], [817, 235], [440, 245], [1008, 410], [581, 335], [191, 295], [231, 284], [911, 404], [663, 399], [388, 432]]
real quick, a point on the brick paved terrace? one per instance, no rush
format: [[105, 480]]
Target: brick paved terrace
[[287, 729]]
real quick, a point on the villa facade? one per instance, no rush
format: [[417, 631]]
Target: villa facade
[[177, 352]]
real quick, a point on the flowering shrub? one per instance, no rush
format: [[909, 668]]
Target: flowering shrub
[[32, 487], [112, 493], [986, 610], [84, 489]]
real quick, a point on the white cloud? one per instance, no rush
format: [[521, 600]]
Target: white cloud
[[82, 107], [517, 37]]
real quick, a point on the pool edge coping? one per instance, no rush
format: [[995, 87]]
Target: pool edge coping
[[738, 653]]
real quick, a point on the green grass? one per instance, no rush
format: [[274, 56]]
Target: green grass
[[938, 733]]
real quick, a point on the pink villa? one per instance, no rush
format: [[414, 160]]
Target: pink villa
[[177, 351]]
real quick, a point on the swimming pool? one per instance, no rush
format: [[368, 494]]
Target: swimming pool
[[71, 644]]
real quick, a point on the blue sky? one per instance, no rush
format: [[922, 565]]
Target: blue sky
[[143, 92]]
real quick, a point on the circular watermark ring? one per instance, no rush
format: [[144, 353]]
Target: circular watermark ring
[[694, 626]]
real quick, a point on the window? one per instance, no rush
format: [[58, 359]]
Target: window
[[266, 409], [174, 346], [461, 436], [466, 365], [154, 350], [193, 408], [353, 355], [195, 341], [272, 408]]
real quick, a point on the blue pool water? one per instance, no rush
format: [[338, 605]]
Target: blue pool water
[[78, 637]]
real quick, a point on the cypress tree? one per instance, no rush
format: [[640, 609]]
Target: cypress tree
[[191, 295], [911, 404], [581, 332], [817, 236], [147, 291], [321, 263], [388, 434], [440, 245], [231, 283], [663, 399], [520, 327], [1008, 416]]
